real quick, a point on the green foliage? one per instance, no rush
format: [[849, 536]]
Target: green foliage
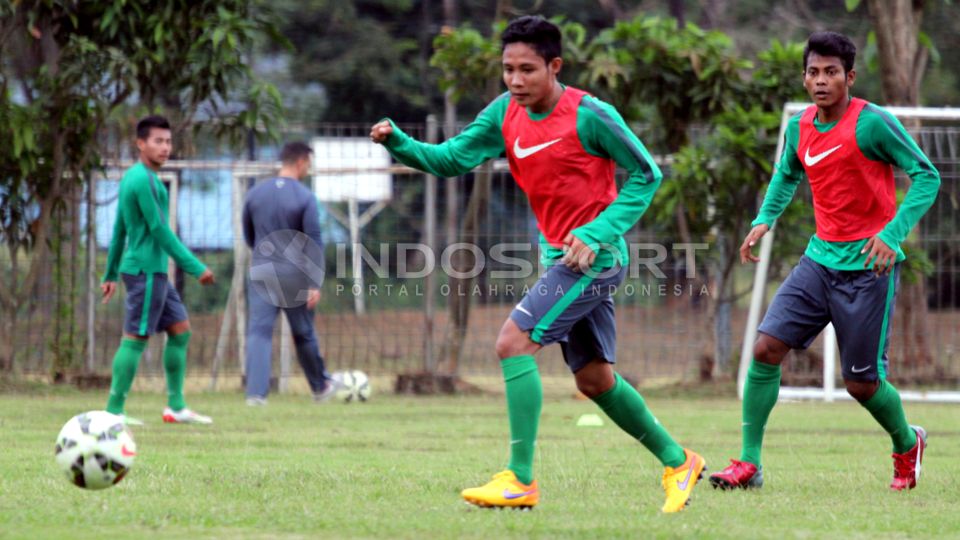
[[365, 55], [778, 76], [686, 73], [467, 60], [68, 65], [718, 179]]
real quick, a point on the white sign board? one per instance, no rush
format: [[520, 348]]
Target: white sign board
[[347, 153]]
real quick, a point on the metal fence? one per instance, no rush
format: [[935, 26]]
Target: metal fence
[[404, 324]]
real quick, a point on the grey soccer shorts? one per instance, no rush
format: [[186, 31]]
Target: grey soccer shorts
[[575, 310], [152, 304], [859, 303]]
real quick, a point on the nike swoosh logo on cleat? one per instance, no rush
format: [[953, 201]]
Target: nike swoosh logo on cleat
[[126, 453], [686, 481], [527, 152], [813, 160], [510, 496]]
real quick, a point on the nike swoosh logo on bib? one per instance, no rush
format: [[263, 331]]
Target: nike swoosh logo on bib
[[813, 160], [527, 152]]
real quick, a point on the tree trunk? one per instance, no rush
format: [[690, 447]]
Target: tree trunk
[[903, 61], [461, 288], [6, 339], [678, 11], [722, 339]]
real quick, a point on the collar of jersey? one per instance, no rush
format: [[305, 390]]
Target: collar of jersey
[[536, 117]]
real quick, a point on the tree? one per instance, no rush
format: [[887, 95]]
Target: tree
[[68, 65], [902, 49], [721, 175], [902, 53], [689, 77]]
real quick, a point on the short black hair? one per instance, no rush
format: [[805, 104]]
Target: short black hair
[[294, 151], [146, 124], [831, 44], [542, 35]]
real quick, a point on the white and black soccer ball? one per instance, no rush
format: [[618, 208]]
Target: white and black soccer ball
[[95, 449], [352, 385]]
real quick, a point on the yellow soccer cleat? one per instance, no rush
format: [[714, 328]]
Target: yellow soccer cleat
[[678, 482], [504, 491]]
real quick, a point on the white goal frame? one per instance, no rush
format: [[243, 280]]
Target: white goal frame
[[828, 392]]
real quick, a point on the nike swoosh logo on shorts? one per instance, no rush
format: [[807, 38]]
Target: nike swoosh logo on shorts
[[855, 370], [813, 160], [509, 496], [527, 152], [520, 308], [683, 485]]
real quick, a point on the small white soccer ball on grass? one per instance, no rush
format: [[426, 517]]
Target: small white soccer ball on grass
[[95, 449], [352, 385]]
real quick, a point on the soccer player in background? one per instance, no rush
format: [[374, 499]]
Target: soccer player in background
[[563, 147], [141, 242], [849, 273], [280, 213]]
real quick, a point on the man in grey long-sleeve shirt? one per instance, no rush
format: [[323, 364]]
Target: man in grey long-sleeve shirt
[[281, 224]]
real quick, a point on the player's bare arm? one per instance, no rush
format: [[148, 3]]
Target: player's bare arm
[[754, 236]]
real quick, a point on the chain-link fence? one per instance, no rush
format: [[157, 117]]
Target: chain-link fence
[[443, 263]]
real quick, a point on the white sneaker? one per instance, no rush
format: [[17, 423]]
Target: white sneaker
[[130, 421], [256, 401], [184, 416], [328, 391]]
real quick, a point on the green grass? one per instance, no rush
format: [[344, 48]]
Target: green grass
[[393, 468]]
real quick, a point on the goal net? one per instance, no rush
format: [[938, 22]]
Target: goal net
[[924, 344]]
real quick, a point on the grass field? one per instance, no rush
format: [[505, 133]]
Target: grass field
[[393, 468]]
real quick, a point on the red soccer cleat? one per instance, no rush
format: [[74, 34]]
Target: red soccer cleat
[[906, 466], [739, 474]]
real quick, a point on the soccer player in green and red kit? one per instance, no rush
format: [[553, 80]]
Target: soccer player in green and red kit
[[141, 242], [847, 148], [563, 147]]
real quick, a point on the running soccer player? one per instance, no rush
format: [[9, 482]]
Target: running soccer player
[[848, 276], [141, 242], [563, 147]]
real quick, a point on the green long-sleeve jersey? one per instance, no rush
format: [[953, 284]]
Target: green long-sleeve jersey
[[880, 137], [142, 240], [601, 132]]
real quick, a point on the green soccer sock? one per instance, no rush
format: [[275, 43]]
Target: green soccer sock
[[524, 401], [625, 406], [759, 396], [124, 369], [175, 364], [886, 408]]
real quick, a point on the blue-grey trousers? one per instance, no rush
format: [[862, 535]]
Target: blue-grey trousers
[[261, 318]]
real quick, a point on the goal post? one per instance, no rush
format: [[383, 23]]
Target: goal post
[[945, 142]]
